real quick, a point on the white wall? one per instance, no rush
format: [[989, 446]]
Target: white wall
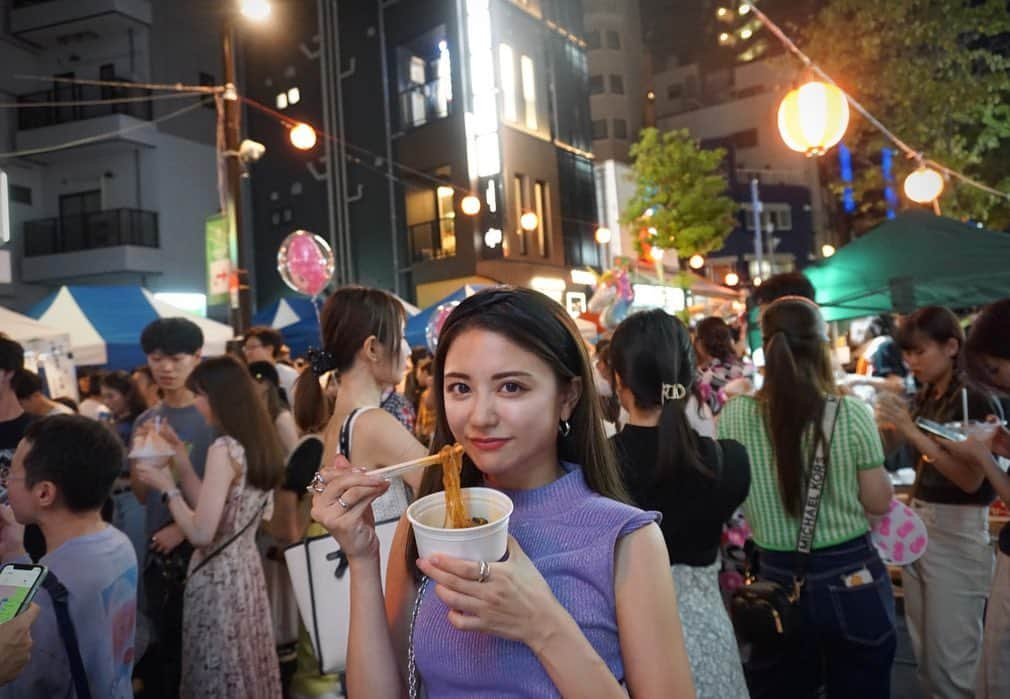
[[185, 194]]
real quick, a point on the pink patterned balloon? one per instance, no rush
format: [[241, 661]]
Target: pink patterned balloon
[[305, 262]]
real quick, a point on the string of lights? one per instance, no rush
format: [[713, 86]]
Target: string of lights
[[911, 153]]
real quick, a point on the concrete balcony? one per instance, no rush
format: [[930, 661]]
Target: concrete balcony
[[49, 23], [99, 243], [54, 122]]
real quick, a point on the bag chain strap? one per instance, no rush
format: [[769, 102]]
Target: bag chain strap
[[412, 678]]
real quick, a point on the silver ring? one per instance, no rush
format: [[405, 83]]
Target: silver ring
[[340, 501], [317, 485], [485, 572]]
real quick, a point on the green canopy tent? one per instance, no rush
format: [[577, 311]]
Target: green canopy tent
[[917, 259]]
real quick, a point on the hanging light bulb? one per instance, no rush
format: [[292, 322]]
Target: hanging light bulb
[[696, 262], [656, 253], [827, 250], [470, 205], [732, 279], [303, 137], [604, 235], [812, 118], [924, 185], [529, 221]]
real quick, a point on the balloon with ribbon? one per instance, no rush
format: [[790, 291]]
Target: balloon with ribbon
[[305, 263], [436, 322]]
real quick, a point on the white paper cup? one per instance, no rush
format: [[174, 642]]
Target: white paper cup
[[980, 430], [487, 542]]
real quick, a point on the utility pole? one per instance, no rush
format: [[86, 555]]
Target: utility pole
[[755, 199], [241, 312]]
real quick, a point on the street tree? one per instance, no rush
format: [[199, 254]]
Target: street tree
[[680, 194], [937, 74]]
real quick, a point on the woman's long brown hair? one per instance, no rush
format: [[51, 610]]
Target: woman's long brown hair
[[350, 316], [798, 376], [241, 413], [542, 327]]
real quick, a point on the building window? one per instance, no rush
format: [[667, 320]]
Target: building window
[[431, 218], [593, 40], [620, 129], [529, 91], [543, 216], [207, 80], [424, 69], [617, 84], [294, 96], [599, 129], [20, 195], [595, 84], [296, 188], [613, 40], [675, 91], [774, 216], [520, 207], [282, 100], [507, 67]]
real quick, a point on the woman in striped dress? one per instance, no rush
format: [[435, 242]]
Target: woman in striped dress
[[847, 637]]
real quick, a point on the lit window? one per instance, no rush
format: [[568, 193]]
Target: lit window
[[282, 100], [296, 188], [508, 82], [529, 91], [294, 96]]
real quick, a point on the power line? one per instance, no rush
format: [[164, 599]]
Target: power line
[[89, 103], [100, 137], [912, 153], [176, 87]]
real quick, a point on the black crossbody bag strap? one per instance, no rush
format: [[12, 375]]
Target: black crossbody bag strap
[[214, 554], [815, 492], [61, 606]]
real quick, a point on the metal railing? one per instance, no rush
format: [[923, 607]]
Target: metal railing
[[99, 229], [38, 117], [421, 104]]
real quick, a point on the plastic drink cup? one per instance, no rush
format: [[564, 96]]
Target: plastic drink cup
[[983, 431], [485, 542]]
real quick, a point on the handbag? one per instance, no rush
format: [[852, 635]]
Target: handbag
[[318, 571], [763, 611]]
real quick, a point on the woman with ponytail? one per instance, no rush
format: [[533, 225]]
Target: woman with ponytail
[[695, 482], [847, 639]]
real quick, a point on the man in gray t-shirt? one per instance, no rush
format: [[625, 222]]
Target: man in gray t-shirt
[[196, 434], [172, 346]]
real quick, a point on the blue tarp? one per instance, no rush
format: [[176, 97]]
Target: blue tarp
[[296, 319], [417, 326]]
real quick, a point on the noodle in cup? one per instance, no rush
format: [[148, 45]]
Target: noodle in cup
[[485, 542]]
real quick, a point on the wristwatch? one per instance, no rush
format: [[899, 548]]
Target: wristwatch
[[169, 494]]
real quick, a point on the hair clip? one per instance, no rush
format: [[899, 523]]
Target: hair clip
[[321, 361], [673, 391]]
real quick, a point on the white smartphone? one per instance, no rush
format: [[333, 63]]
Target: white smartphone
[[18, 584], [940, 430]]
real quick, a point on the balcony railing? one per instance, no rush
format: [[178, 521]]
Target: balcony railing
[[100, 229], [426, 239], [420, 104], [37, 117]]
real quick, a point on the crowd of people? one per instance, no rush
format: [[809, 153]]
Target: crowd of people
[[651, 475]]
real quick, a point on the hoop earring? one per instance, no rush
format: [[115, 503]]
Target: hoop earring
[[565, 428]]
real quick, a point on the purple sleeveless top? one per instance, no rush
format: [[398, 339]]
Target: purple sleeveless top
[[569, 532]]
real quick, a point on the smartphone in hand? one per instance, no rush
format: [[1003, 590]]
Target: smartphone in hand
[[19, 582], [940, 430]]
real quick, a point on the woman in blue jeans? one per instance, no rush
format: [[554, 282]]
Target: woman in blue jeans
[[846, 641]]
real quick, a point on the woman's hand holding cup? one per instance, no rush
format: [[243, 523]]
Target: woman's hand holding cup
[[344, 507]]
